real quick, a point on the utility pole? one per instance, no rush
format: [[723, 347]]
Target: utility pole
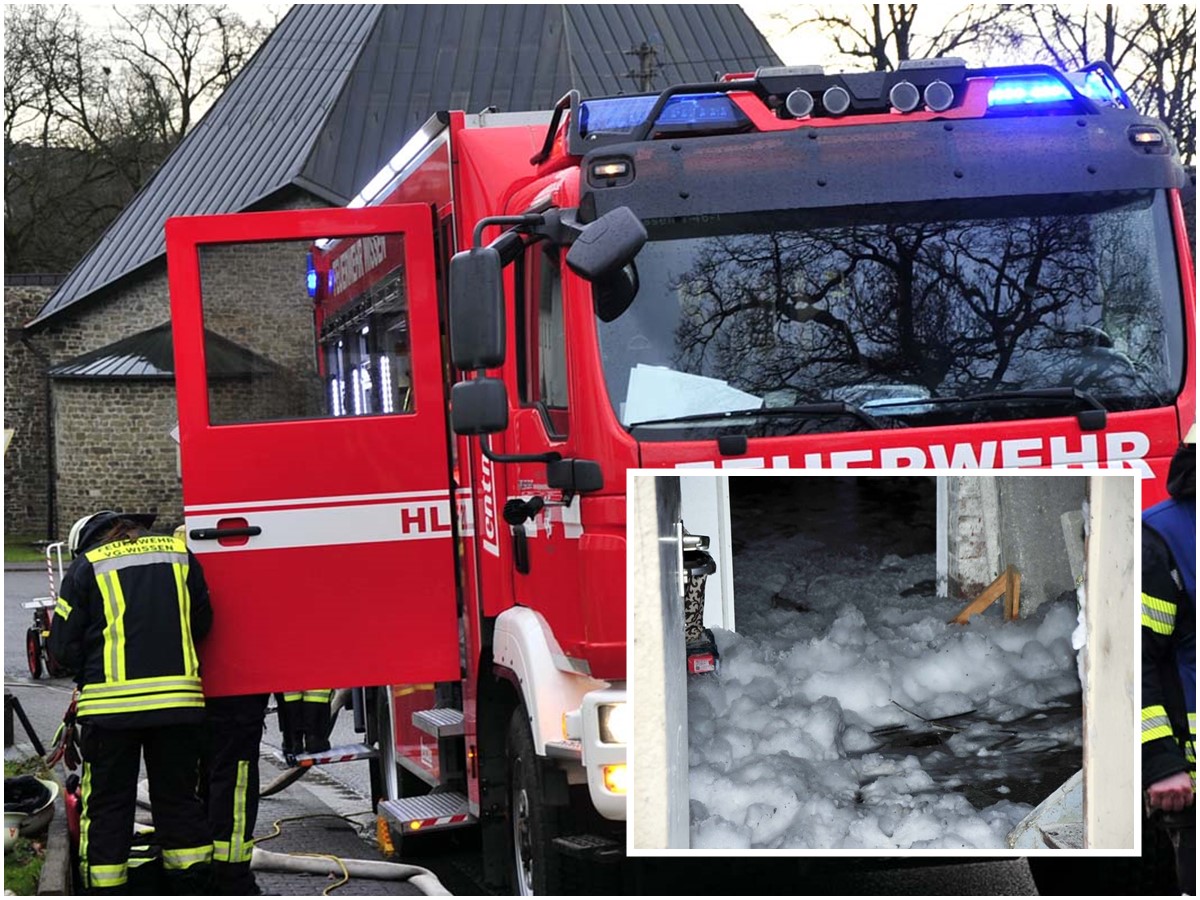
[[647, 66]]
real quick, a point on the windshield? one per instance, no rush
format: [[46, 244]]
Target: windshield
[[897, 312]]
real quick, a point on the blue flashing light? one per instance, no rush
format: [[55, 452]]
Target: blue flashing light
[[312, 277], [621, 114], [1030, 89]]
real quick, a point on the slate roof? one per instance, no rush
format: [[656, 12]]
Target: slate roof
[[337, 89], [148, 357]]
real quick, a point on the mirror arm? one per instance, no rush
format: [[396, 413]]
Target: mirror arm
[[547, 457], [560, 226], [531, 220]]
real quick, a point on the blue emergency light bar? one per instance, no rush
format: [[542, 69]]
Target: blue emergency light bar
[[711, 111], [1027, 89]]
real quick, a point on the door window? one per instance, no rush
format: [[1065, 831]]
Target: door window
[[543, 359], [306, 330]]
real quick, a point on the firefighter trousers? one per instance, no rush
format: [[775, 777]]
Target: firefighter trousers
[[235, 728], [108, 791], [304, 721]]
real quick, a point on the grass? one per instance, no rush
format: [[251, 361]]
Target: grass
[[23, 863], [24, 548], [23, 867], [31, 766]]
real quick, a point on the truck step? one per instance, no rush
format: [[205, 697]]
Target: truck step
[[564, 750], [589, 846], [428, 813], [344, 753], [442, 722]]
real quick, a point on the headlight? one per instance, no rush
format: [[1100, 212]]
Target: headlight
[[614, 723]]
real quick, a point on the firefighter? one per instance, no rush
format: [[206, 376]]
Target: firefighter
[[130, 610], [304, 721], [1169, 662], [229, 784], [235, 727]]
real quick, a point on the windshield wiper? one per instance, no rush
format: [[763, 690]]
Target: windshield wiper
[[1093, 419], [834, 408]]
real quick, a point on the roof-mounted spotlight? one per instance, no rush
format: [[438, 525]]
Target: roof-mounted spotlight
[[939, 96], [799, 103], [904, 96], [836, 100]]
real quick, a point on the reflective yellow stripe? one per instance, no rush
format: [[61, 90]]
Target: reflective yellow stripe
[[316, 696], [240, 850], [63, 608], [223, 852], [1155, 724], [293, 697], [134, 687], [85, 820], [140, 704], [114, 631], [1158, 615], [109, 876], [191, 664], [186, 857]]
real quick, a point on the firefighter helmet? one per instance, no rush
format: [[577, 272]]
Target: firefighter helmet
[[86, 530]]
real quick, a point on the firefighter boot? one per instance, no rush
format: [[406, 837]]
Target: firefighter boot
[[291, 723], [316, 721]]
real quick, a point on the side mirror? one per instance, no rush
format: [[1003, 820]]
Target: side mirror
[[607, 245], [476, 309], [574, 476], [479, 407], [615, 292]]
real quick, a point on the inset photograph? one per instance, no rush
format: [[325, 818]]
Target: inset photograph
[[883, 662]]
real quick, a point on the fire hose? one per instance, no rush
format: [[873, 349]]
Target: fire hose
[[420, 878]]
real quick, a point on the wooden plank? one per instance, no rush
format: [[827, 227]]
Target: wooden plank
[[1012, 594], [989, 596]]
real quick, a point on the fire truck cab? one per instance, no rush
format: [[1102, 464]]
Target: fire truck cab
[[416, 484]]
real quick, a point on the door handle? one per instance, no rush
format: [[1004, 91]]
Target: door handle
[[213, 534]]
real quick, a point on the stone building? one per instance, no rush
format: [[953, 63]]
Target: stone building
[[332, 94]]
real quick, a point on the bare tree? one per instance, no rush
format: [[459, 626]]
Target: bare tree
[[949, 307], [179, 56], [91, 115], [1153, 47], [883, 35]]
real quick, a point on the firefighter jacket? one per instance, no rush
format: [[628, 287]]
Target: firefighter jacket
[[1169, 636], [128, 617]]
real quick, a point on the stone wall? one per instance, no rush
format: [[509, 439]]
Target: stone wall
[[26, 473], [115, 451]]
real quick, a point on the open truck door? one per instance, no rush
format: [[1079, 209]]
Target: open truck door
[[313, 445]]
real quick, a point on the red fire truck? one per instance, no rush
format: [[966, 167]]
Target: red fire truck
[[424, 492]]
